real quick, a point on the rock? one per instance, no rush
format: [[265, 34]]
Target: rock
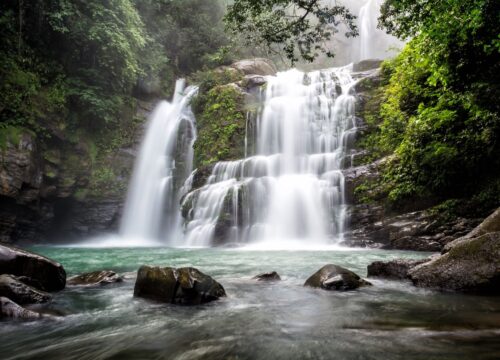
[[19, 292], [333, 277], [186, 286], [365, 65], [253, 81], [270, 276], [103, 277], [9, 309], [490, 224], [50, 274], [257, 66], [470, 265], [394, 269]]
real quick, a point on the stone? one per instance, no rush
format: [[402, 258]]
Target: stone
[[257, 66], [9, 309], [253, 81], [269, 276], [334, 277], [21, 293], [490, 224], [102, 277], [470, 265], [49, 274], [394, 269], [185, 286], [366, 65]]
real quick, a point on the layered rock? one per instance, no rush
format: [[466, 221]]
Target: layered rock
[[469, 264], [49, 274], [334, 277], [186, 286], [11, 310], [12, 288]]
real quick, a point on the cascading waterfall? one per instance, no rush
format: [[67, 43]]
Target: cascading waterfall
[[164, 161], [291, 187]]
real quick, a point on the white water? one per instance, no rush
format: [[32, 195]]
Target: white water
[[373, 43], [152, 208], [292, 188]]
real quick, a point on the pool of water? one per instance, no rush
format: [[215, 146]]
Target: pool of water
[[282, 320]]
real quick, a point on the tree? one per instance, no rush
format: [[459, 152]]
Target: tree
[[300, 28]]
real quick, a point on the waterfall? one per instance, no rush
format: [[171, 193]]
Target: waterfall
[[290, 187], [163, 163], [373, 43]]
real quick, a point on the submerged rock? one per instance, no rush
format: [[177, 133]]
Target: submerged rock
[[11, 310], [394, 269], [270, 276], [49, 274], [471, 265], [186, 286], [19, 292], [102, 277], [334, 277]]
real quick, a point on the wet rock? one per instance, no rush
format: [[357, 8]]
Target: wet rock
[[186, 286], [470, 265], [50, 274], [365, 65], [102, 277], [253, 81], [270, 276], [21, 293], [490, 224], [257, 66], [11, 310], [394, 269], [334, 277]]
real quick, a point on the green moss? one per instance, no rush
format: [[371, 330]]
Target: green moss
[[221, 126], [10, 134]]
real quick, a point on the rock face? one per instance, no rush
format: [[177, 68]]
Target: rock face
[[270, 276], [19, 292], [11, 310], [48, 273], [186, 286], [103, 277], [333, 277], [396, 269], [471, 265], [257, 66]]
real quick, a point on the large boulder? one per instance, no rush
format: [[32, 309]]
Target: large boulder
[[11, 310], [21, 293], [257, 66], [186, 286], [102, 277], [334, 277], [49, 274], [395, 269], [471, 265]]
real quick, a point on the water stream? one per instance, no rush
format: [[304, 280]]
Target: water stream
[[390, 320]]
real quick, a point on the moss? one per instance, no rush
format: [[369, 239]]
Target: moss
[[221, 126], [11, 135]]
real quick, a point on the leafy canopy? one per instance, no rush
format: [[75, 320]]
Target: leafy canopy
[[300, 28]]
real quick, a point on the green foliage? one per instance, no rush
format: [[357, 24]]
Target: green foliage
[[221, 126], [299, 27], [440, 115]]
